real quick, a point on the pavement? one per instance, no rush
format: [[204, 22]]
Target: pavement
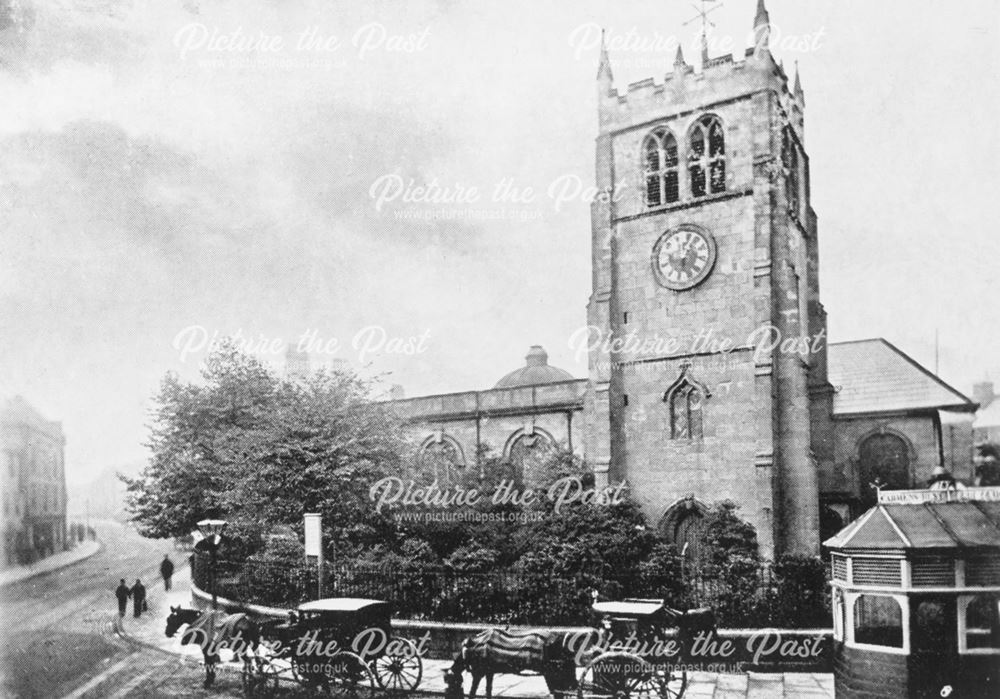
[[47, 565], [150, 628]]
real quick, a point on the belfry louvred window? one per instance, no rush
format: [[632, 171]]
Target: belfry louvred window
[[707, 157], [661, 168]]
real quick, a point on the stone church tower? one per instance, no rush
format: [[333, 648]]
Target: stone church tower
[[707, 362]]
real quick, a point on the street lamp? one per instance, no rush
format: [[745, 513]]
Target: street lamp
[[212, 530]]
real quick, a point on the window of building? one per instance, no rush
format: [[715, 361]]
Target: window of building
[[662, 168], [441, 458], [685, 414], [790, 163], [685, 399], [982, 622], [528, 455], [707, 157], [885, 461], [878, 621]]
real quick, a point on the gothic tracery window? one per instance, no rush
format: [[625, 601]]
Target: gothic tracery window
[[661, 168], [707, 157], [685, 401]]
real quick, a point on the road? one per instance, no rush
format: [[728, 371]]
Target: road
[[59, 638], [58, 633]]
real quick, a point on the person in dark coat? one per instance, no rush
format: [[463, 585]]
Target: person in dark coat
[[122, 593], [138, 598], [167, 571]]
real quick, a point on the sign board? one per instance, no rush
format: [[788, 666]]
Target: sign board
[[314, 534], [919, 497]]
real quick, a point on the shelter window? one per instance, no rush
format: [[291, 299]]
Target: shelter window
[[982, 625], [935, 571], [983, 570], [877, 571], [662, 168], [839, 564], [878, 621]]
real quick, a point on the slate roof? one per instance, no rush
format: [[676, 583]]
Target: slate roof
[[874, 376], [929, 525]]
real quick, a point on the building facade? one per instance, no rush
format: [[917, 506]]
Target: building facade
[[34, 483], [709, 374]]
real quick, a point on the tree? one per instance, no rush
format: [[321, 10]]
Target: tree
[[259, 450], [727, 536]]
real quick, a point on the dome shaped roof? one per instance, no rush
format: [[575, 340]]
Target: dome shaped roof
[[535, 371]]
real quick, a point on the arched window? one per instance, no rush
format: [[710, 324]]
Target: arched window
[[707, 157], [981, 621], [527, 454], [884, 459], [441, 459], [685, 399], [661, 168], [878, 621], [790, 163]]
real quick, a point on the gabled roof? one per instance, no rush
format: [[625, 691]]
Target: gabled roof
[[874, 376], [927, 525]]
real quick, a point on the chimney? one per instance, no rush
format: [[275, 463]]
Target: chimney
[[982, 393]]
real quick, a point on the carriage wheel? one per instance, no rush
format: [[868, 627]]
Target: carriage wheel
[[400, 669], [620, 676], [674, 684], [346, 675], [259, 677], [302, 672]]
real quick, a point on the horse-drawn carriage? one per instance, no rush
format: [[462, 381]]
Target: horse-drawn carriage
[[638, 654], [640, 650], [344, 645]]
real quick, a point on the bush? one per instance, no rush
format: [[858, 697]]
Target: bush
[[801, 594]]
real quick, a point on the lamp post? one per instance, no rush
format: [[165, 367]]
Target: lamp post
[[212, 530]]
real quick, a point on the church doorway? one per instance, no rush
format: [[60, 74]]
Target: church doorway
[[684, 525], [884, 460]]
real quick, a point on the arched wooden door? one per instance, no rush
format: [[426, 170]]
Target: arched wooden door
[[884, 458]]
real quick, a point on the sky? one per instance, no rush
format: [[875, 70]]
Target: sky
[[354, 176]]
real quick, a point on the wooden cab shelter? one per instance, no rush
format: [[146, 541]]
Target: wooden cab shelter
[[916, 596]]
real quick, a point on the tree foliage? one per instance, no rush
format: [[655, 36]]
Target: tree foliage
[[259, 450]]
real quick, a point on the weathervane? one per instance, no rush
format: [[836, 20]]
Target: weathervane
[[703, 13]]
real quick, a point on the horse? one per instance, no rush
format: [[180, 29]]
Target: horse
[[214, 630], [495, 651]]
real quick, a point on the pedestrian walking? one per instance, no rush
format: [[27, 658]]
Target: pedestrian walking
[[167, 571], [138, 598], [122, 593]]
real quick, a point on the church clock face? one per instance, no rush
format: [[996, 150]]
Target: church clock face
[[683, 257]]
